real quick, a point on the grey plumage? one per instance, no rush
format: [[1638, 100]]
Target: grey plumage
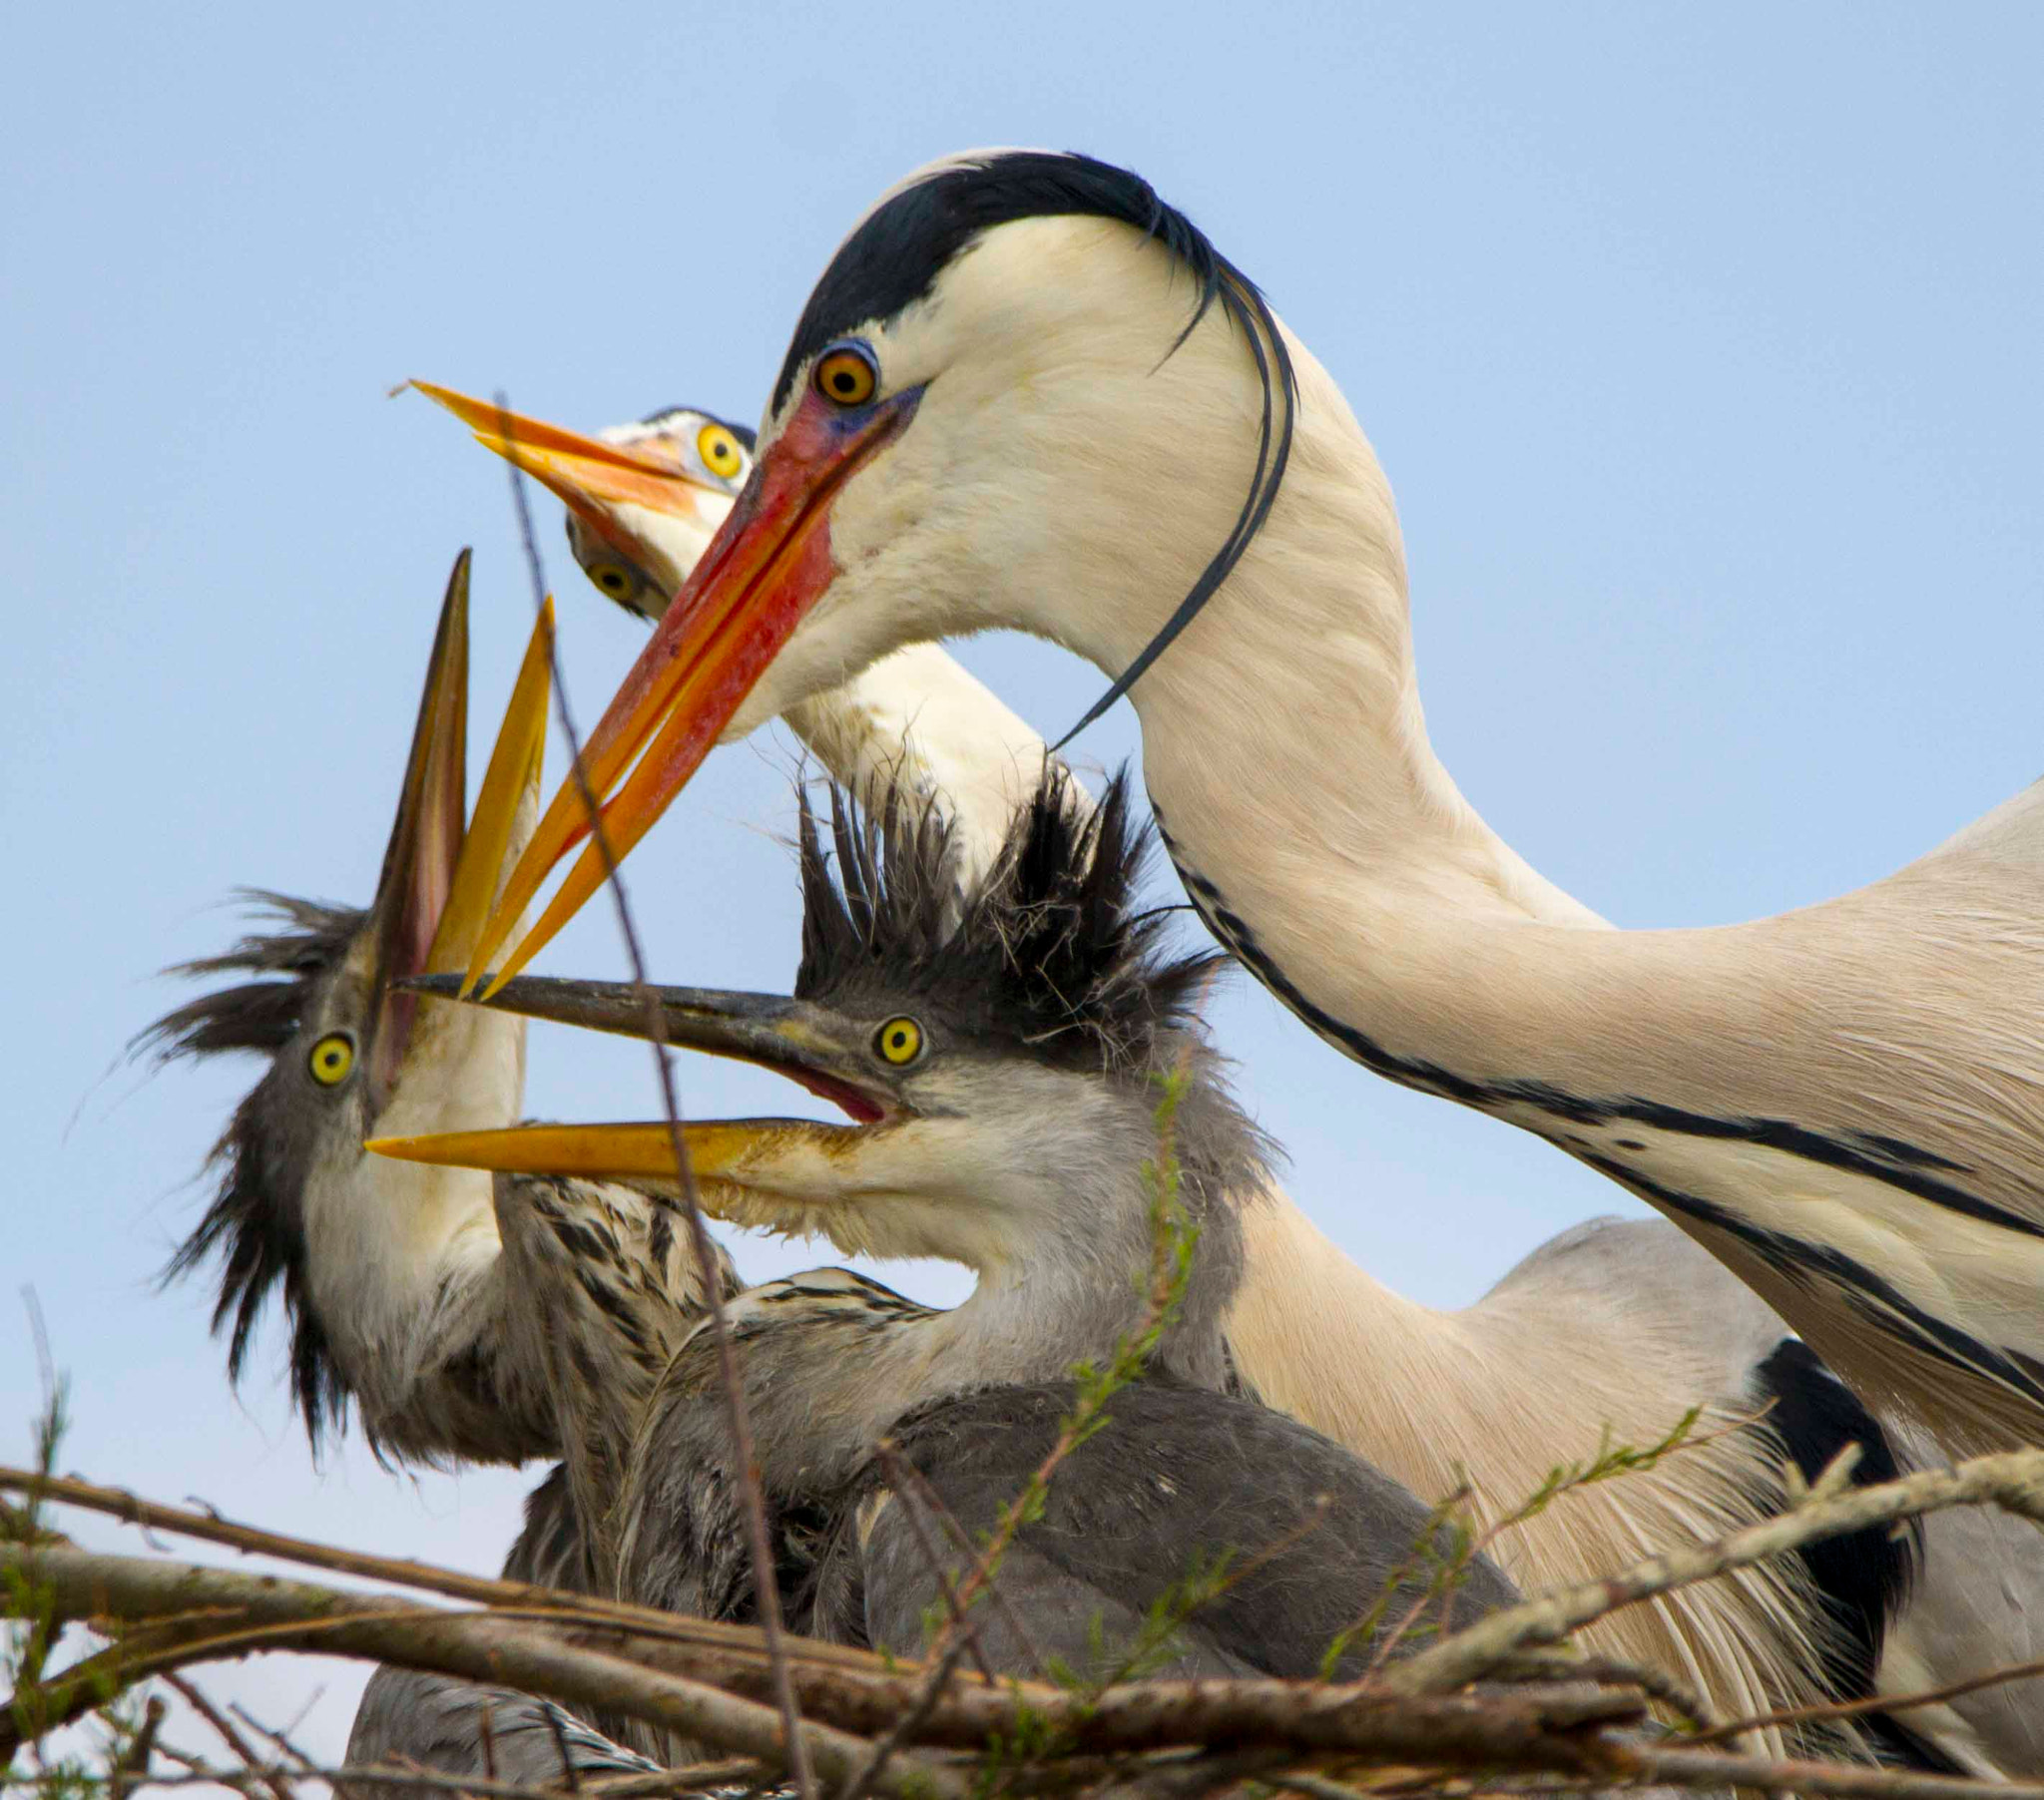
[[1181, 1479], [439, 1302]]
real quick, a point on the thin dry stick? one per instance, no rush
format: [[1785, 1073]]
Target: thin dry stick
[[1884, 1703], [2012, 1479], [1678, 1697], [913, 1716], [766, 1586], [1789, 1775], [223, 1727], [133, 1768], [943, 1515], [252, 1777]]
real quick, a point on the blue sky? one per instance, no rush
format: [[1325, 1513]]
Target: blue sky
[[1701, 346]]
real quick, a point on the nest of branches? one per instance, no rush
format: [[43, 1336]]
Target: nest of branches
[[1498, 1707]]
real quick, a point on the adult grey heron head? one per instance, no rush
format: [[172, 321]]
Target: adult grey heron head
[[642, 500], [302, 1211], [1007, 339]]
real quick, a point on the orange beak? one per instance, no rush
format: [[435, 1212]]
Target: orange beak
[[765, 568], [600, 484]]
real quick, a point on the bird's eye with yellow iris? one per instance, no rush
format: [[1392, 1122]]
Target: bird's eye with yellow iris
[[613, 577], [720, 452], [332, 1056], [899, 1041], [846, 376]]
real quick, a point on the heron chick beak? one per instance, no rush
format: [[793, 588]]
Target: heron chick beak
[[617, 491], [748, 1170], [766, 567], [440, 875]]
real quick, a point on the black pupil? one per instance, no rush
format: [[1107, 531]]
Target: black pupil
[[844, 381]]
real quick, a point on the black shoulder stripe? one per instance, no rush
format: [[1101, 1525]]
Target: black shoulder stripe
[[1894, 1161], [1880, 1303]]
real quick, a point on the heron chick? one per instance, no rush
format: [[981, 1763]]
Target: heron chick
[[1003, 1069], [433, 1298]]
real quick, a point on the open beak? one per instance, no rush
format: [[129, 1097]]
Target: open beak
[[765, 568], [440, 879], [811, 1045], [425, 841], [622, 493]]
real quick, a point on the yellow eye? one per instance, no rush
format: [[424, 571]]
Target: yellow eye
[[613, 580], [899, 1041], [332, 1056], [720, 452], [846, 377]]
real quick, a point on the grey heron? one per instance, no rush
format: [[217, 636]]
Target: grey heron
[[1028, 393], [995, 1124], [1002, 1065], [1654, 1328]]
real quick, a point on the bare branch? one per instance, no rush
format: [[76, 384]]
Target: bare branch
[[1881, 1703], [485, 1647], [753, 1503]]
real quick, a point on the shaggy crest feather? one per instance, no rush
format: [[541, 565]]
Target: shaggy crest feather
[[253, 1231], [1047, 949]]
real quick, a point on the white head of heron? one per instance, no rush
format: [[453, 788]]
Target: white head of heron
[[645, 554]]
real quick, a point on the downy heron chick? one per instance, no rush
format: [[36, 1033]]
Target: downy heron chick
[[643, 501], [394, 1282], [457, 1312], [1027, 393], [1005, 1068]]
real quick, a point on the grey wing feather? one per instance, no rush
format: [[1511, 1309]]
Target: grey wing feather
[[437, 1722], [1070, 1620], [1178, 1479]]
